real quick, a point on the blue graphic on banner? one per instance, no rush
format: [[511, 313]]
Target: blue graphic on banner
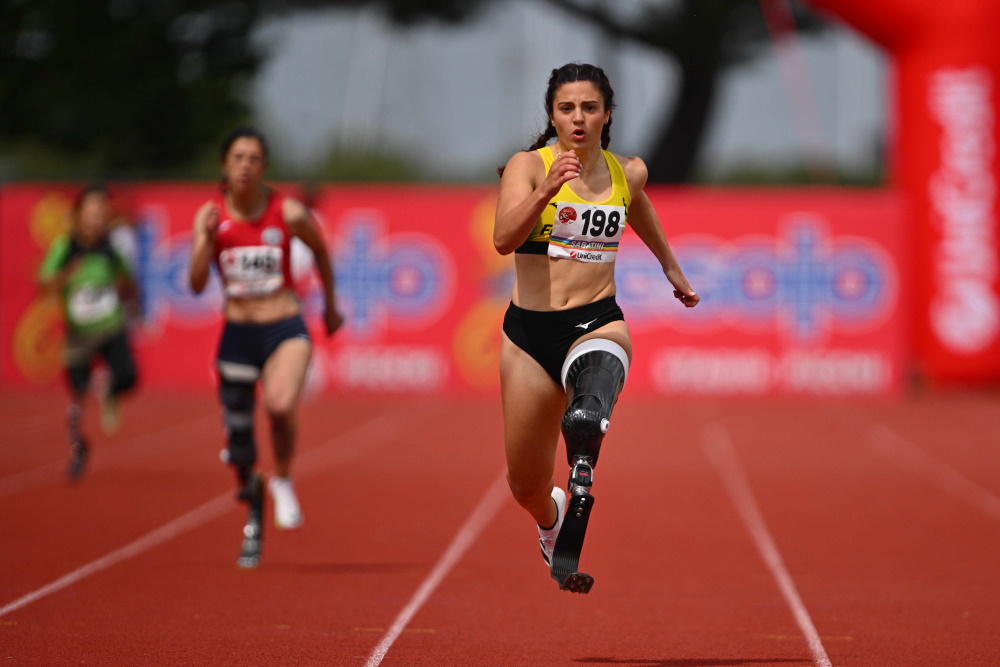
[[162, 269], [802, 281], [403, 280]]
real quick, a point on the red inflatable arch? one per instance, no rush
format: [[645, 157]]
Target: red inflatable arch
[[946, 97]]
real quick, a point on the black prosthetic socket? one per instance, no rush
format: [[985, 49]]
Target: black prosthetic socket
[[593, 382], [237, 407]]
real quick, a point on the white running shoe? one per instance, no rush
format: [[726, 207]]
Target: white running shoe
[[547, 537], [287, 514]]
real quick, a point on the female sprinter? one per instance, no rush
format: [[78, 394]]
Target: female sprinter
[[246, 232], [93, 282], [565, 349]]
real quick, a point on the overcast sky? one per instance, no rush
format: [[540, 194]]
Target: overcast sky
[[460, 100]]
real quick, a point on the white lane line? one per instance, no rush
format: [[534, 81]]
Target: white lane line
[[479, 519], [196, 517], [889, 444], [719, 448], [360, 440]]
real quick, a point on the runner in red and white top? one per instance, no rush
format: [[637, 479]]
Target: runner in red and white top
[[247, 232]]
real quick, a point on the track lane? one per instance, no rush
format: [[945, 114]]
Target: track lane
[[677, 580], [893, 570], [901, 573]]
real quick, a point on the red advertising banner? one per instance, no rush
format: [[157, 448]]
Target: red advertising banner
[[802, 291], [946, 163]]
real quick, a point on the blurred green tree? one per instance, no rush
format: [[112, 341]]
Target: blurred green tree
[[705, 38], [133, 86], [126, 86], [140, 84]]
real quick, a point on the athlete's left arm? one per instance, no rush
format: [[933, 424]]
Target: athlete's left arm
[[128, 291], [300, 224], [643, 219]]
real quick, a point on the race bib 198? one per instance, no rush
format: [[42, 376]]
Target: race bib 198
[[252, 270], [586, 232]]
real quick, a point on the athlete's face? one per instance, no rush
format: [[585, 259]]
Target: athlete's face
[[578, 115], [244, 165], [94, 216]]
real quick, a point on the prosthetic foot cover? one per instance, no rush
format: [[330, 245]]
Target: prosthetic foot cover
[[593, 375], [569, 544], [253, 532]]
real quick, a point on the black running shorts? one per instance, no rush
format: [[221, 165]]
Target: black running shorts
[[548, 335]]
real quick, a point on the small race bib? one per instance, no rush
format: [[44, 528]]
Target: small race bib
[[252, 270], [586, 232], [88, 304]]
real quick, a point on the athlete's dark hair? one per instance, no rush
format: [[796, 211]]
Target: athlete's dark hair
[[571, 73], [243, 131], [92, 189]]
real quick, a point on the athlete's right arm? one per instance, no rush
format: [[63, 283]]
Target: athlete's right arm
[[525, 190], [206, 224], [56, 267]]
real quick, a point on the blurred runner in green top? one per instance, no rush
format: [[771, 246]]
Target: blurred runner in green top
[[93, 283]]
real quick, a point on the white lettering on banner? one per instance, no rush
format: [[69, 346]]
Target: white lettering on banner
[[713, 371], [964, 311], [757, 372], [396, 369], [835, 372]]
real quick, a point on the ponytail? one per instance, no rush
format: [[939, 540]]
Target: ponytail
[[541, 141]]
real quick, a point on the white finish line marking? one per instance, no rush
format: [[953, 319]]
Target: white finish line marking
[[479, 519], [719, 448]]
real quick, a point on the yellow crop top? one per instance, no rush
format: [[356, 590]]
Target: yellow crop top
[[537, 242]]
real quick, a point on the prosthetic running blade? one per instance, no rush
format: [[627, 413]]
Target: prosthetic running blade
[[79, 453], [569, 544], [253, 531]]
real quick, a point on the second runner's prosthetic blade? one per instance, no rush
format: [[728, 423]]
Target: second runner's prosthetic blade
[[237, 390], [253, 531], [593, 374]]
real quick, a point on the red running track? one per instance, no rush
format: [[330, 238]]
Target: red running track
[[841, 533]]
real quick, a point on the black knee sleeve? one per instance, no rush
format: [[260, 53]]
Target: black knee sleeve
[[593, 375], [237, 414]]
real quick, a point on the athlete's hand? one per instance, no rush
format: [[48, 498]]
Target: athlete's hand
[[212, 219], [689, 298], [566, 167], [333, 320]]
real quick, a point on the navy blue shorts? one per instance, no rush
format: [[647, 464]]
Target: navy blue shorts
[[547, 335], [253, 344]]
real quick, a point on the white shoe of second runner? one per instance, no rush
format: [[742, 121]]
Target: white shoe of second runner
[[287, 513]]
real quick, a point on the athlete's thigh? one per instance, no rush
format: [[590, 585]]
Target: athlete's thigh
[[284, 374], [616, 331], [532, 409], [118, 355]]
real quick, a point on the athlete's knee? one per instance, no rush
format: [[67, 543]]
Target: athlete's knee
[[528, 491], [237, 412], [281, 413], [593, 375]]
